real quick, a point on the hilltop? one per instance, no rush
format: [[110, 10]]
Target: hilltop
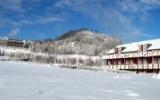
[[81, 41]]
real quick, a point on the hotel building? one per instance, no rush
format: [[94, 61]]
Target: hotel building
[[137, 56]]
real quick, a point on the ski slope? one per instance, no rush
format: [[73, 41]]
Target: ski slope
[[24, 81]]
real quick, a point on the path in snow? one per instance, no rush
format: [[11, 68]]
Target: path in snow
[[22, 81]]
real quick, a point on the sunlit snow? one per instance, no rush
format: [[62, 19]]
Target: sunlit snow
[[28, 81]]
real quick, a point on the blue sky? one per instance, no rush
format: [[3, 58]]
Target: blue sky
[[130, 20]]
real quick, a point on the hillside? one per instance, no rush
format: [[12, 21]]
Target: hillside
[[82, 41]]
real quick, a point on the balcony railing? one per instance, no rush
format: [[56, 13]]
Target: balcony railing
[[133, 66], [133, 55]]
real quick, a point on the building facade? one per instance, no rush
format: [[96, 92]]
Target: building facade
[[138, 56], [11, 42]]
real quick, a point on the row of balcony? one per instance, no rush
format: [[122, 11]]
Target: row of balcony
[[140, 66], [132, 55]]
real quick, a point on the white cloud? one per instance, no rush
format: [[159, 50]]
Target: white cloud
[[151, 2], [114, 14], [15, 5], [14, 32], [2, 21], [42, 20], [138, 6], [147, 35], [109, 16], [117, 16], [37, 20]]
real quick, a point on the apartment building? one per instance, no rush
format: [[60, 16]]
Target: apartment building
[[137, 56]]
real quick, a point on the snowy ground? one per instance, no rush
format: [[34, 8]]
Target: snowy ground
[[22, 81]]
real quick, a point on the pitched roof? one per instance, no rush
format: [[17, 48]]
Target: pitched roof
[[131, 47]]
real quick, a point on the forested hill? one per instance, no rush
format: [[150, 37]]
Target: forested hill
[[81, 41]]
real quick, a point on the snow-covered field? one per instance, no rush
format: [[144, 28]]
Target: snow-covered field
[[24, 81]]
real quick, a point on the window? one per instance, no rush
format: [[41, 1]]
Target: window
[[156, 60], [122, 61], [116, 62], [149, 60], [111, 62], [135, 61], [127, 61], [140, 61]]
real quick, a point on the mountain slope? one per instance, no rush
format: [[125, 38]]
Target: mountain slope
[[82, 41]]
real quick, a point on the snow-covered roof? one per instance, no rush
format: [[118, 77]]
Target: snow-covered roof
[[131, 47], [155, 45], [4, 38], [110, 51]]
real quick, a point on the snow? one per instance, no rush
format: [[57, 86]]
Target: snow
[[31, 81], [156, 76], [131, 47], [9, 50], [111, 51]]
